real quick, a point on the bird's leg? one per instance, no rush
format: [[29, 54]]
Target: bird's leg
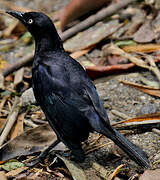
[[42, 155]]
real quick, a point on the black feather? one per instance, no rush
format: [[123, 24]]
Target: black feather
[[66, 94]]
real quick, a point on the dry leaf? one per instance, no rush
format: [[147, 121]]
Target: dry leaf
[[99, 71], [18, 128], [80, 53], [146, 89], [75, 170], [31, 141], [144, 48], [75, 9], [91, 36], [18, 76], [145, 120], [101, 170], [16, 171], [145, 33]]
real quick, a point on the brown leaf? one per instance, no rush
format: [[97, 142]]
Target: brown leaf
[[114, 59], [75, 9], [91, 36], [144, 34], [33, 140], [16, 171], [144, 48], [80, 53], [75, 170], [9, 78], [18, 128], [146, 89], [99, 71], [18, 76], [145, 120]]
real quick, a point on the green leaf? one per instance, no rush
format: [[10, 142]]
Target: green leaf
[[6, 93], [10, 165], [26, 38], [26, 35], [124, 43]]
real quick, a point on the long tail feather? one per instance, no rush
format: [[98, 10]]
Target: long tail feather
[[134, 152]]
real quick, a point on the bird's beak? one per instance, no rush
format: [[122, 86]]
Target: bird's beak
[[18, 15]]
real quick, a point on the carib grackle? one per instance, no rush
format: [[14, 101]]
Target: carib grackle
[[66, 94]]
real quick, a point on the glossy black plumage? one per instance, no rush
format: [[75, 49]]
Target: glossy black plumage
[[66, 94]]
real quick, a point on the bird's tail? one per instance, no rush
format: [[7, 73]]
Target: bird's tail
[[134, 152]]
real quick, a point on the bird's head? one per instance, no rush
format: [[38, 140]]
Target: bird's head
[[41, 27], [35, 22]]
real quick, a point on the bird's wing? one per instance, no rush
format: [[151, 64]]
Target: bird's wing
[[97, 103], [80, 94], [62, 105]]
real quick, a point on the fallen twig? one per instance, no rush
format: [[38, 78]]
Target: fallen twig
[[120, 114], [11, 119], [30, 123], [16, 171], [3, 101], [146, 89], [24, 61], [18, 78], [138, 61], [110, 10], [97, 147], [102, 171], [112, 49], [116, 171], [150, 83], [153, 66]]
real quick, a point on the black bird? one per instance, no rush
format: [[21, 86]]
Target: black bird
[[66, 94]]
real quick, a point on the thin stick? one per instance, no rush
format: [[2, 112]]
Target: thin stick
[[24, 61], [110, 10], [11, 119], [120, 114], [153, 67], [115, 172]]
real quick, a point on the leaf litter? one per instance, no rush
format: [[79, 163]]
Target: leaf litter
[[130, 37]]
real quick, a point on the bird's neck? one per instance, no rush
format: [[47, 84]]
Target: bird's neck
[[50, 41]]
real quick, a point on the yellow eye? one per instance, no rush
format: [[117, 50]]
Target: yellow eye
[[30, 21]]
